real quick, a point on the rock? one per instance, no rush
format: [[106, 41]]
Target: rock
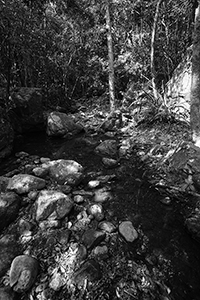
[[44, 160], [96, 210], [56, 281], [63, 236], [3, 183], [107, 148], [6, 293], [9, 208], [128, 231], [40, 172], [78, 199], [6, 135], [8, 250], [107, 226], [93, 184], [106, 178], [60, 124], [101, 251], [23, 273], [27, 115], [49, 202], [92, 238], [90, 271], [65, 171], [109, 162], [102, 195], [23, 183]]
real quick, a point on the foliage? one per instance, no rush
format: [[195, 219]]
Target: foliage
[[61, 45]]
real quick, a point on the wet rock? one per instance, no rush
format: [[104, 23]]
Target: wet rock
[[49, 202], [6, 293], [109, 162], [107, 226], [92, 238], [23, 273], [9, 208], [127, 230], [107, 148], [23, 183], [65, 171], [102, 195], [8, 250], [3, 183], [89, 271], [60, 124]]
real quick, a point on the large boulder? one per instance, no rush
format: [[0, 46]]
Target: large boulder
[[27, 113], [61, 124], [64, 171], [23, 273], [52, 202], [24, 183], [6, 135]]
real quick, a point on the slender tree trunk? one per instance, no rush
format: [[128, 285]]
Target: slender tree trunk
[[195, 84], [110, 60], [153, 35]]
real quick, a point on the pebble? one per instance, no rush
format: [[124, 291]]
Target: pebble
[[127, 230]]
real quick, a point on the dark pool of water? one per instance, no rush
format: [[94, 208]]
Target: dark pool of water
[[134, 200]]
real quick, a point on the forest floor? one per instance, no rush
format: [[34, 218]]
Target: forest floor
[[164, 148]]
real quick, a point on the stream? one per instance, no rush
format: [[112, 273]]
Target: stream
[[160, 226]]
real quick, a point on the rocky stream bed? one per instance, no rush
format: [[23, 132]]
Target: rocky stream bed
[[79, 220]]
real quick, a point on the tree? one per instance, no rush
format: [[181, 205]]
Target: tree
[[110, 59], [195, 84], [153, 71]]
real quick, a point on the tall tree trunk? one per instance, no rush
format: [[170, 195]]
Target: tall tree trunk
[[110, 60], [195, 84], [153, 35]]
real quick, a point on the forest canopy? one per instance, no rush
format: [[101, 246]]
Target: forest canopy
[[61, 45]]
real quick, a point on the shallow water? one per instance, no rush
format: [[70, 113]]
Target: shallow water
[[134, 199]]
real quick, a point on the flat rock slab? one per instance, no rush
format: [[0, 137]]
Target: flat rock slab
[[49, 202], [23, 273], [127, 230], [24, 183]]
